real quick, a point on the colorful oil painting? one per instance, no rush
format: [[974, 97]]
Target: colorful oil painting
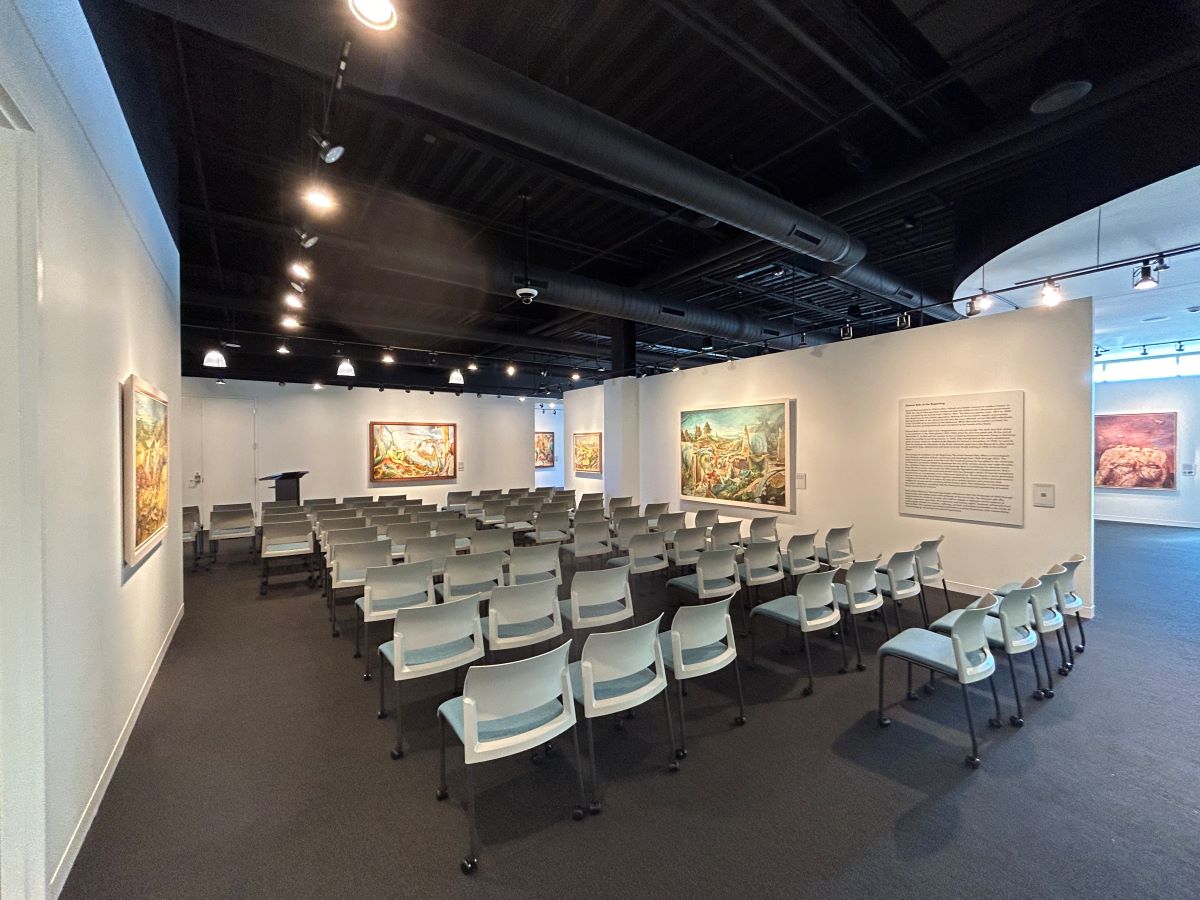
[[1136, 450], [586, 451], [146, 475], [737, 455], [543, 449], [412, 451]]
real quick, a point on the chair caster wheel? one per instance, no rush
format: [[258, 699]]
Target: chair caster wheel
[[928, 688], [262, 592], [972, 762], [862, 667], [1049, 694], [1016, 721], [336, 634], [357, 655], [740, 720], [843, 670], [382, 714], [442, 794], [594, 809], [577, 814], [1039, 695], [1064, 671], [996, 723], [1079, 648], [681, 753], [367, 676], [807, 692], [397, 753], [883, 721], [673, 766], [911, 695], [468, 865], [551, 751]]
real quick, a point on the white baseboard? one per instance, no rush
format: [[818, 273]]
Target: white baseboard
[[63, 869], [1142, 520]]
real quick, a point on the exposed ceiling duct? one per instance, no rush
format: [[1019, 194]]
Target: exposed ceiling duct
[[429, 71]]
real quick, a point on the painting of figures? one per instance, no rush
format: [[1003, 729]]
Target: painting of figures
[[737, 455], [543, 449], [586, 451], [146, 477], [1136, 450], [412, 451]]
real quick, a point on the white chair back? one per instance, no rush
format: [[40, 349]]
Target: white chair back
[[518, 604], [725, 534], [484, 571], [351, 561], [586, 516], [815, 591], [537, 563], [439, 549], [421, 627], [1016, 623], [592, 533], [862, 588], [654, 510], [669, 522], [286, 532], [717, 573], [838, 543], [763, 528], [706, 518], [929, 560], [406, 581], [612, 655], [902, 566], [647, 553], [487, 540], [356, 535], [599, 587], [972, 655]]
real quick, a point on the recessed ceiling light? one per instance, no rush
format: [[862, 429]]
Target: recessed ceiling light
[[318, 198], [575, 376], [317, 386], [378, 15], [472, 366]]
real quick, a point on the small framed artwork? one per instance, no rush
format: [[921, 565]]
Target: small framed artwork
[[412, 451], [543, 449], [586, 451], [145, 476], [1136, 450]]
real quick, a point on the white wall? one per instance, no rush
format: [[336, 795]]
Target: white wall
[[326, 433], [583, 411], [1178, 507], [546, 419], [847, 434], [106, 304]]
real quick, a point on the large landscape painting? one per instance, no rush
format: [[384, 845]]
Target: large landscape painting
[[1136, 450], [738, 455], [146, 476], [586, 452], [543, 449], [413, 451]]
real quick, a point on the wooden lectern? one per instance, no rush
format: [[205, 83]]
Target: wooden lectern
[[287, 485]]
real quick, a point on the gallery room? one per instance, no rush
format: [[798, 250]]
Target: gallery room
[[535, 448]]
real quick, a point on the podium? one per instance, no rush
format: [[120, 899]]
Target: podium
[[287, 486]]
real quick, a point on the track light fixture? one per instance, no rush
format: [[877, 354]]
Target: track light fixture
[[283, 350], [1051, 293], [215, 359], [326, 149], [301, 272], [706, 344], [472, 366], [904, 320], [292, 300], [526, 292], [456, 376], [318, 199], [1179, 347], [510, 370], [521, 398], [307, 239], [378, 15], [846, 332], [221, 381], [345, 369], [575, 376], [1145, 352], [289, 322], [387, 359], [675, 368], [1144, 277], [317, 386]]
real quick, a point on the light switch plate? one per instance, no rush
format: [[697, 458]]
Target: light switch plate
[[1043, 495], [1187, 469], [801, 481], [462, 467]]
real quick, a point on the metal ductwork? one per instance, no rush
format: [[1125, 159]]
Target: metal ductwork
[[429, 71]]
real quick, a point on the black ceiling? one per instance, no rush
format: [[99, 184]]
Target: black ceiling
[[895, 121]]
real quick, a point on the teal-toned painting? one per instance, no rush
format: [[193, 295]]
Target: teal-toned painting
[[737, 455]]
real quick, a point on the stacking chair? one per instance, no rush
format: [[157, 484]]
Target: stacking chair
[[521, 615], [462, 528], [762, 528], [1052, 589], [506, 709], [362, 498], [474, 507], [555, 506], [800, 555], [654, 510], [590, 503], [762, 565], [1069, 602], [964, 655], [621, 514], [647, 553], [438, 549], [813, 607], [591, 539], [627, 528], [387, 519], [838, 551], [669, 523], [348, 564], [493, 512], [228, 525], [618, 671], [699, 643], [314, 502], [385, 590], [280, 516], [487, 540], [427, 640], [517, 519], [457, 500], [686, 545], [617, 502], [593, 495], [858, 596], [477, 574], [233, 507], [400, 533], [706, 518], [716, 575], [930, 569], [1009, 629], [391, 498], [193, 531], [589, 517], [598, 597], [552, 527], [536, 563], [726, 534], [279, 504], [898, 581], [288, 540]]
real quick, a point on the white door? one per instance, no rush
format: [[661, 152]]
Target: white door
[[219, 449]]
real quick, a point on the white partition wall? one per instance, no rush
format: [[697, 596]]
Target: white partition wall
[[583, 410], [551, 420], [846, 432], [326, 433]]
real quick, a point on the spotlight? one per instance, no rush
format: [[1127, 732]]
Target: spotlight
[[282, 384], [456, 376], [289, 322], [904, 320], [378, 15], [1144, 278], [1145, 352], [431, 393], [984, 300], [381, 389], [846, 332], [1179, 347], [510, 370], [346, 369], [221, 381], [552, 406], [674, 368], [575, 376], [282, 350], [1097, 353], [472, 366], [317, 386], [318, 199], [1051, 293], [387, 358], [307, 240], [326, 149], [301, 271], [292, 301], [706, 344], [973, 308], [214, 359], [522, 398]]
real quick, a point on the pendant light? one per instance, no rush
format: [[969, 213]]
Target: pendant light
[[456, 376], [215, 359], [1051, 293], [345, 369], [526, 293], [1144, 278]]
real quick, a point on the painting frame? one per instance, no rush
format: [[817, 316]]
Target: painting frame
[[540, 453], [1109, 433], [137, 543], [599, 436], [452, 475], [788, 504]]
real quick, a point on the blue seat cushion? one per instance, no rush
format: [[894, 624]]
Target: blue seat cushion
[[287, 547], [532, 578], [426, 655], [591, 610], [688, 583], [692, 655], [466, 590], [903, 587], [926, 648], [505, 727], [519, 629], [614, 687]]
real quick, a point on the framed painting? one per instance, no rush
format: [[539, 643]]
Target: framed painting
[[543, 449], [145, 444], [1136, 450], [587, 452], [737, 455], [412, 451]]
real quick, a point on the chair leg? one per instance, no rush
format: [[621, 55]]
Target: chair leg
[[577, 813], [471, 861], [382, 712], [357, 651], [266, 577], [673, 763], [1049, 691], [682, 751], [753, 646], [883, 720], [845, 659], [911, 695], [1064, 641], [924, 607], [737, 674], [946, 594], [442, 793], [973, 759], [1082, 645], [807, 692], [367, 648], [333, 623], [887, 629], [1019, 719], [1040, 692], [594, 807], [398, 750], [857, 642], [998, 720]]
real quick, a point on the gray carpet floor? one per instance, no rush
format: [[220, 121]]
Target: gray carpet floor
[[258, 769]]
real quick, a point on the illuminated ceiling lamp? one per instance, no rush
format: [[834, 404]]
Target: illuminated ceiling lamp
[[283, 350], [387, 359], [1144, 277], [215, 359], [846, 332], [575, 376], [289, 322], [456, 376], [510, 370], [378, 15], [308, 240], [326, 149], [292, 300], [472, 366], [301, 271], [345, 369], [1051, 293], [318, 199]]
